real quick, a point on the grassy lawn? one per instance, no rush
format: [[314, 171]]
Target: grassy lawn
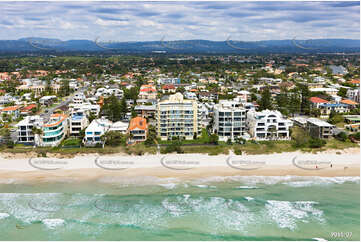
[[265, 147], [141, 149], [71, 142], [210, 150]]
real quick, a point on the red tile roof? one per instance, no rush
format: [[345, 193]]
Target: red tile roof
[[318, 100], [349, 102], [29, 107], [11, 108], [168, 86], [138, 122]]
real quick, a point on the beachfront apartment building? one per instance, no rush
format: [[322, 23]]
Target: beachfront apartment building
[[138, 129], [55, 130], [177, 117], [319, 129], [229, 120], [268, 125], [77, 122], [25, 130], [95, 130]]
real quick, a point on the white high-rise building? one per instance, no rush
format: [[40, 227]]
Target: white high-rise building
[[268, 125], [229, 120], [177, 117]]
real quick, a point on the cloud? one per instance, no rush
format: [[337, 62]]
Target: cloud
[[143, 21]]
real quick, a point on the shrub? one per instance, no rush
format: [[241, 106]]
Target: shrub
[[10, 144], [175, 146], [238, 152], [342, 136], [213, 139], [316, 143]]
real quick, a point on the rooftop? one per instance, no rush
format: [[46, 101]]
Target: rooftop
[[138, 123], [319, 122]]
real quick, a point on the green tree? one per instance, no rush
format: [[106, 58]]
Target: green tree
[[266, 100], [342, 92], [114, 138], [213, 139]]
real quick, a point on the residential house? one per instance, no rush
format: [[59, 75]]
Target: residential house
[[316, 102], [147, 92], [145, 111], [95, 130], [29, 109], [327, 108], [11, 111], [243, 96], [47, 100], [25, 130], [353, 94], [168, 88], [138, 130], [328, 91], [119, 126], [268, 124]]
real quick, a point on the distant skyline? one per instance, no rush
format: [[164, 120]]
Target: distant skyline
[[152, 21]]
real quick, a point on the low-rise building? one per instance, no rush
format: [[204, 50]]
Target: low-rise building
[[138, 130], [78, 122], [319, 129], [29, 109], [328, 91], [145, 111], [168, 88], [26, 128], [47, 100], [268, 125], [11, 111], [327, 108], [119, 126], [147, 92], [316, 102], [95, 130], [353, 94]]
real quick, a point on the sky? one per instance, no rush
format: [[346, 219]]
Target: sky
[[153, 21]]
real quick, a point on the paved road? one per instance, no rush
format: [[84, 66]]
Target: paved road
[[46, 116]]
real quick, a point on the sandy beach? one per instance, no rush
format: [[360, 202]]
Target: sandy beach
[[331, 163]]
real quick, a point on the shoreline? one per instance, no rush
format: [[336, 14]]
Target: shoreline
[[330, 163]]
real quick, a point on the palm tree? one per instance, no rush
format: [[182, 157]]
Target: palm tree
[[37, 132]]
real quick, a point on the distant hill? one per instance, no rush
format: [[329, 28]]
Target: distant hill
[[39, 45]]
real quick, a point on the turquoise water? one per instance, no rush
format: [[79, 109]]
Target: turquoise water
[[233, 208]]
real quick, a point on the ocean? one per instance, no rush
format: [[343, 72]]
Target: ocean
[[217, 208]]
